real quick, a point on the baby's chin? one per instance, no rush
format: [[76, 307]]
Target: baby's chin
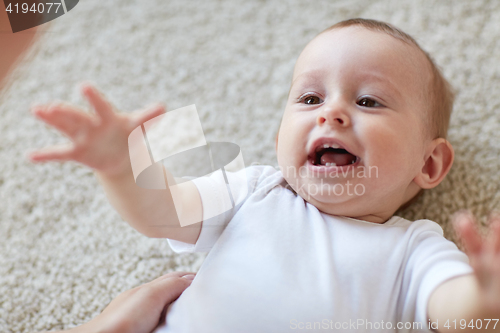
[[328, 201], [324, 193], [357, 198], [347, 207], [334, 199]]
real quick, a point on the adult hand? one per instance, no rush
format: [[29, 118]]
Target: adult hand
[[12, 45], [138, 310]]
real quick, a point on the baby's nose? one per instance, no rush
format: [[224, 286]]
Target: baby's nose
[[334, 116]]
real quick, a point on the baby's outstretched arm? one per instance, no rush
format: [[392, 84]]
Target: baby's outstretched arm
[[472, 300], [100, 141]]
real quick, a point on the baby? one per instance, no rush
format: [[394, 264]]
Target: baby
[[315, 245]]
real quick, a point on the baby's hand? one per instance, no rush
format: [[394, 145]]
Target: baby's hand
[[484, 255], [99, 141]]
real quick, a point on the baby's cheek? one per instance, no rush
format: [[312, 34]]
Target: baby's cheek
[[394, 174]]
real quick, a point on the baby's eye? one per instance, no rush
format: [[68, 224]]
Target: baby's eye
[[310, 99], [368, 103]]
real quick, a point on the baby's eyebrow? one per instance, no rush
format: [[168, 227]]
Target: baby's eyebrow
[[374, 76], [310, 76]]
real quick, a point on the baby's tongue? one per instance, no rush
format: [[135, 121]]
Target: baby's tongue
[[338, 158]]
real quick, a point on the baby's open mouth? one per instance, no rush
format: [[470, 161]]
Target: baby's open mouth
[[330, 156]]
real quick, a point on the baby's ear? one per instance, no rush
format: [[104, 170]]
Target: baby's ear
[[438, 162]]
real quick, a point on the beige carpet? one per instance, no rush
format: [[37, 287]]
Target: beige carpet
[[64, 252]]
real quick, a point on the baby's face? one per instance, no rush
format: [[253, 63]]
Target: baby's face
[[352, 139]]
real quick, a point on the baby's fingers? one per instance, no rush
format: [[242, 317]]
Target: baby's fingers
[[64, 117], [56, 153], [465, 227], [100, 104], [148, 114], [494, 233]]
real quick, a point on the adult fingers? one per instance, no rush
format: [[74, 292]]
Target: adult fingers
[[152, 286], [66, 118], [174, 275], [464, 225], [101, 105], [168, 288]]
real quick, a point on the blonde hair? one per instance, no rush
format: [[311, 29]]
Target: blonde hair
[[440, 92]]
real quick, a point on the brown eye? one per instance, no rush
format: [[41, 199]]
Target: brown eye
[[368, 103], [312, 100]]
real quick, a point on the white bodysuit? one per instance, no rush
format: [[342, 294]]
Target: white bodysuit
[[278, 264]]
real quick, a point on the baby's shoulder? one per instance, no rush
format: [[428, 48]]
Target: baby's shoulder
[[421, 225], [422, 234], [416, 231], [262, 177]]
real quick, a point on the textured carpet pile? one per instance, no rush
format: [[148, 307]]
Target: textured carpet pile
[[65, 253]]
